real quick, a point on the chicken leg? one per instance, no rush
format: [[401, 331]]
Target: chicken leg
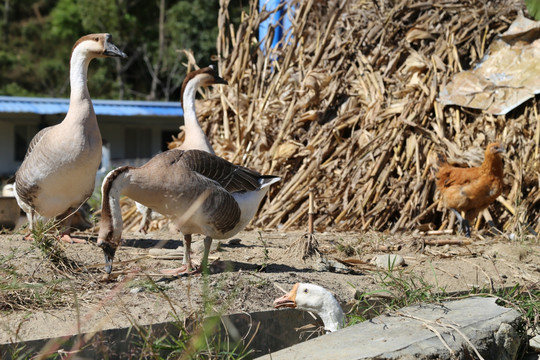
[[463, 223]]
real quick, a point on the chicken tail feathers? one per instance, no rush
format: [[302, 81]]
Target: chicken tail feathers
[[436, 161], [441, 160]]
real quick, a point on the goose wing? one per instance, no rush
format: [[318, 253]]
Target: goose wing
[[25, 188], [36, 139], [233, 178]]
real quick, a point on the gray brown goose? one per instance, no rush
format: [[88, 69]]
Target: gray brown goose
[[195, 138], [58, 172], [219, 198]]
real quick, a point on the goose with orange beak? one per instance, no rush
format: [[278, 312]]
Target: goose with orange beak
[[315, 298]]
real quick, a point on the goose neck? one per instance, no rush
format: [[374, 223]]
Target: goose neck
[[111, 215], [78, 75], [331, 314], [333, 320], [188, 105]]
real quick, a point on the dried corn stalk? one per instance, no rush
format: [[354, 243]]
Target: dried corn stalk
[[348, 107]]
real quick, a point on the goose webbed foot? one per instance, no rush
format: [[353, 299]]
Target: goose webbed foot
[[71, 240], [186, 269]]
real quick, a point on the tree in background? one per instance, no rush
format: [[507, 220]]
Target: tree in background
[[39, 34]]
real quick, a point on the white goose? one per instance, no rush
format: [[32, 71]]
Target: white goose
[[58, 172], [201, 192], [195, 138], [315, 298]]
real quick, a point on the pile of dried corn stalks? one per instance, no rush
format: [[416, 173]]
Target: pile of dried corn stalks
[[349, 109]]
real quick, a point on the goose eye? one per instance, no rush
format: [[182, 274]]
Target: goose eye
[[306, 291], [96, 39]]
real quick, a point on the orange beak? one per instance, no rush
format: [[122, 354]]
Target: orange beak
[[287, 300]]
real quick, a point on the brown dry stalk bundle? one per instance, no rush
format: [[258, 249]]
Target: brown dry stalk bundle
[[348, 107]]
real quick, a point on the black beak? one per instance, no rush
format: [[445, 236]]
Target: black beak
[[217, 79], [220, 80], [109, 252], [113, 51]]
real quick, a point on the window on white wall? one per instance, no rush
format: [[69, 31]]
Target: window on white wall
[[23, 136], [138, 143], [167, 137]]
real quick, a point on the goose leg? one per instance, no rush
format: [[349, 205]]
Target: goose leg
[[145, 221], [204, 263], [186, 267], [186, 261], [30, 217]]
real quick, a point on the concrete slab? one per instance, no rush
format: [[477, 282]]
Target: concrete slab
[[455, 329]]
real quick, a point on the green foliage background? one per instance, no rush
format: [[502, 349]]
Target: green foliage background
[[37, 37], [533, 7]]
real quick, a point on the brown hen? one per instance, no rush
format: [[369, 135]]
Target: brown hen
[[471, 190]]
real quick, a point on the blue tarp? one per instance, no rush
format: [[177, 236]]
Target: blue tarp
[[280, 20], [50, 106]]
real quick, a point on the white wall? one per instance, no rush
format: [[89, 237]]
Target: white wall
[[112, 129]]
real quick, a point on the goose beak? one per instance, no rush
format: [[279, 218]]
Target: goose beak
[[220, 80], [113, 51], [108, 251], [287, 300], [217, 79]]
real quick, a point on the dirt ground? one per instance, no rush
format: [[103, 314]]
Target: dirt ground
[[245, 276]]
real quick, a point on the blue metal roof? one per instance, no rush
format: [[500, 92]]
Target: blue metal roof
[[49, 106]]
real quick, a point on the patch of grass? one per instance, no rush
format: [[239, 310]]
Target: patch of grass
[[398, 289], [47, 243], [409, 288], [18, 293], [526, 300], [202, 335], [346, 249], [46, 237], [210, 341]]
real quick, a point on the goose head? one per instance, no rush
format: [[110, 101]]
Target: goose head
[[317, 299], [108, 241], [203, 77], [98, 45]]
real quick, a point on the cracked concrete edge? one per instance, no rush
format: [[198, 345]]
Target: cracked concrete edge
[[391, 336]]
